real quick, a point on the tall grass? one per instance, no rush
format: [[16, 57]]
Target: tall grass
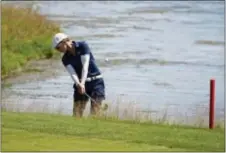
[[26, 35], [117, 112]]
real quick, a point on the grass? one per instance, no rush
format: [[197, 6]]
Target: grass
[[53, 132], [26, 35]]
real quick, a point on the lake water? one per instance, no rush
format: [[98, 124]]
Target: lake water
[[160, 54]]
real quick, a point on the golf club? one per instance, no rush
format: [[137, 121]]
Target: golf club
[[104, 107]]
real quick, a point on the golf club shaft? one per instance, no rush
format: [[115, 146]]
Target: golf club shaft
[[89, 97], [95, 101]]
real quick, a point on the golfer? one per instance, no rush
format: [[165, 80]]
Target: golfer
[[88, 82]]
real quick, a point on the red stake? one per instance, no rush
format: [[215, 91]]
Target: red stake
[[212, 104]]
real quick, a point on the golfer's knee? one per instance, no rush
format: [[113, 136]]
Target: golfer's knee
[[83, 105], [79, 107], [76, 108]]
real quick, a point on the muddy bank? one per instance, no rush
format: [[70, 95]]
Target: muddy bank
[[35, 71]]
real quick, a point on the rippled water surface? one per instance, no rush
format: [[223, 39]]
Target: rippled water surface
[[159, 54]]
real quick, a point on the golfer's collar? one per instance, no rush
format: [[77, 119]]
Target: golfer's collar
[[76, 44]]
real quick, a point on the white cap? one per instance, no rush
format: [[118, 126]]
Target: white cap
[[57, 38]]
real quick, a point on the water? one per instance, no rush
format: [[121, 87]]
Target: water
[[161, 55]]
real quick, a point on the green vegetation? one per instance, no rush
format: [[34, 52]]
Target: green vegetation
[[26, 35], [49, 132]]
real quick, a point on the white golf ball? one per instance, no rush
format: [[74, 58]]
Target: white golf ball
[[106, 59]]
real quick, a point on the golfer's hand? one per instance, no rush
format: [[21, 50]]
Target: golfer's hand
[[81, 88]]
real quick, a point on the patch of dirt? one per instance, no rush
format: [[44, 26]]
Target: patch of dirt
[[36, 71]]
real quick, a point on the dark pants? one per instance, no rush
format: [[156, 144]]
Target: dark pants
[[96, 90]]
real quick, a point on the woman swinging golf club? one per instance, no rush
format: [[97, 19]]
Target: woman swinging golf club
[[80, 63]]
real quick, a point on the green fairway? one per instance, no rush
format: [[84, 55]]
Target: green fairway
[[46, 132]]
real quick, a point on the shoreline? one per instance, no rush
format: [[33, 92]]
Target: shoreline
[[35, 70]]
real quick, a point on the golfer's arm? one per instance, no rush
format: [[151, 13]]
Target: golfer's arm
[[85, 65], [73, 74]]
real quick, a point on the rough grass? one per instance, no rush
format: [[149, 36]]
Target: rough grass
[[45, 132], [26, 35]]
